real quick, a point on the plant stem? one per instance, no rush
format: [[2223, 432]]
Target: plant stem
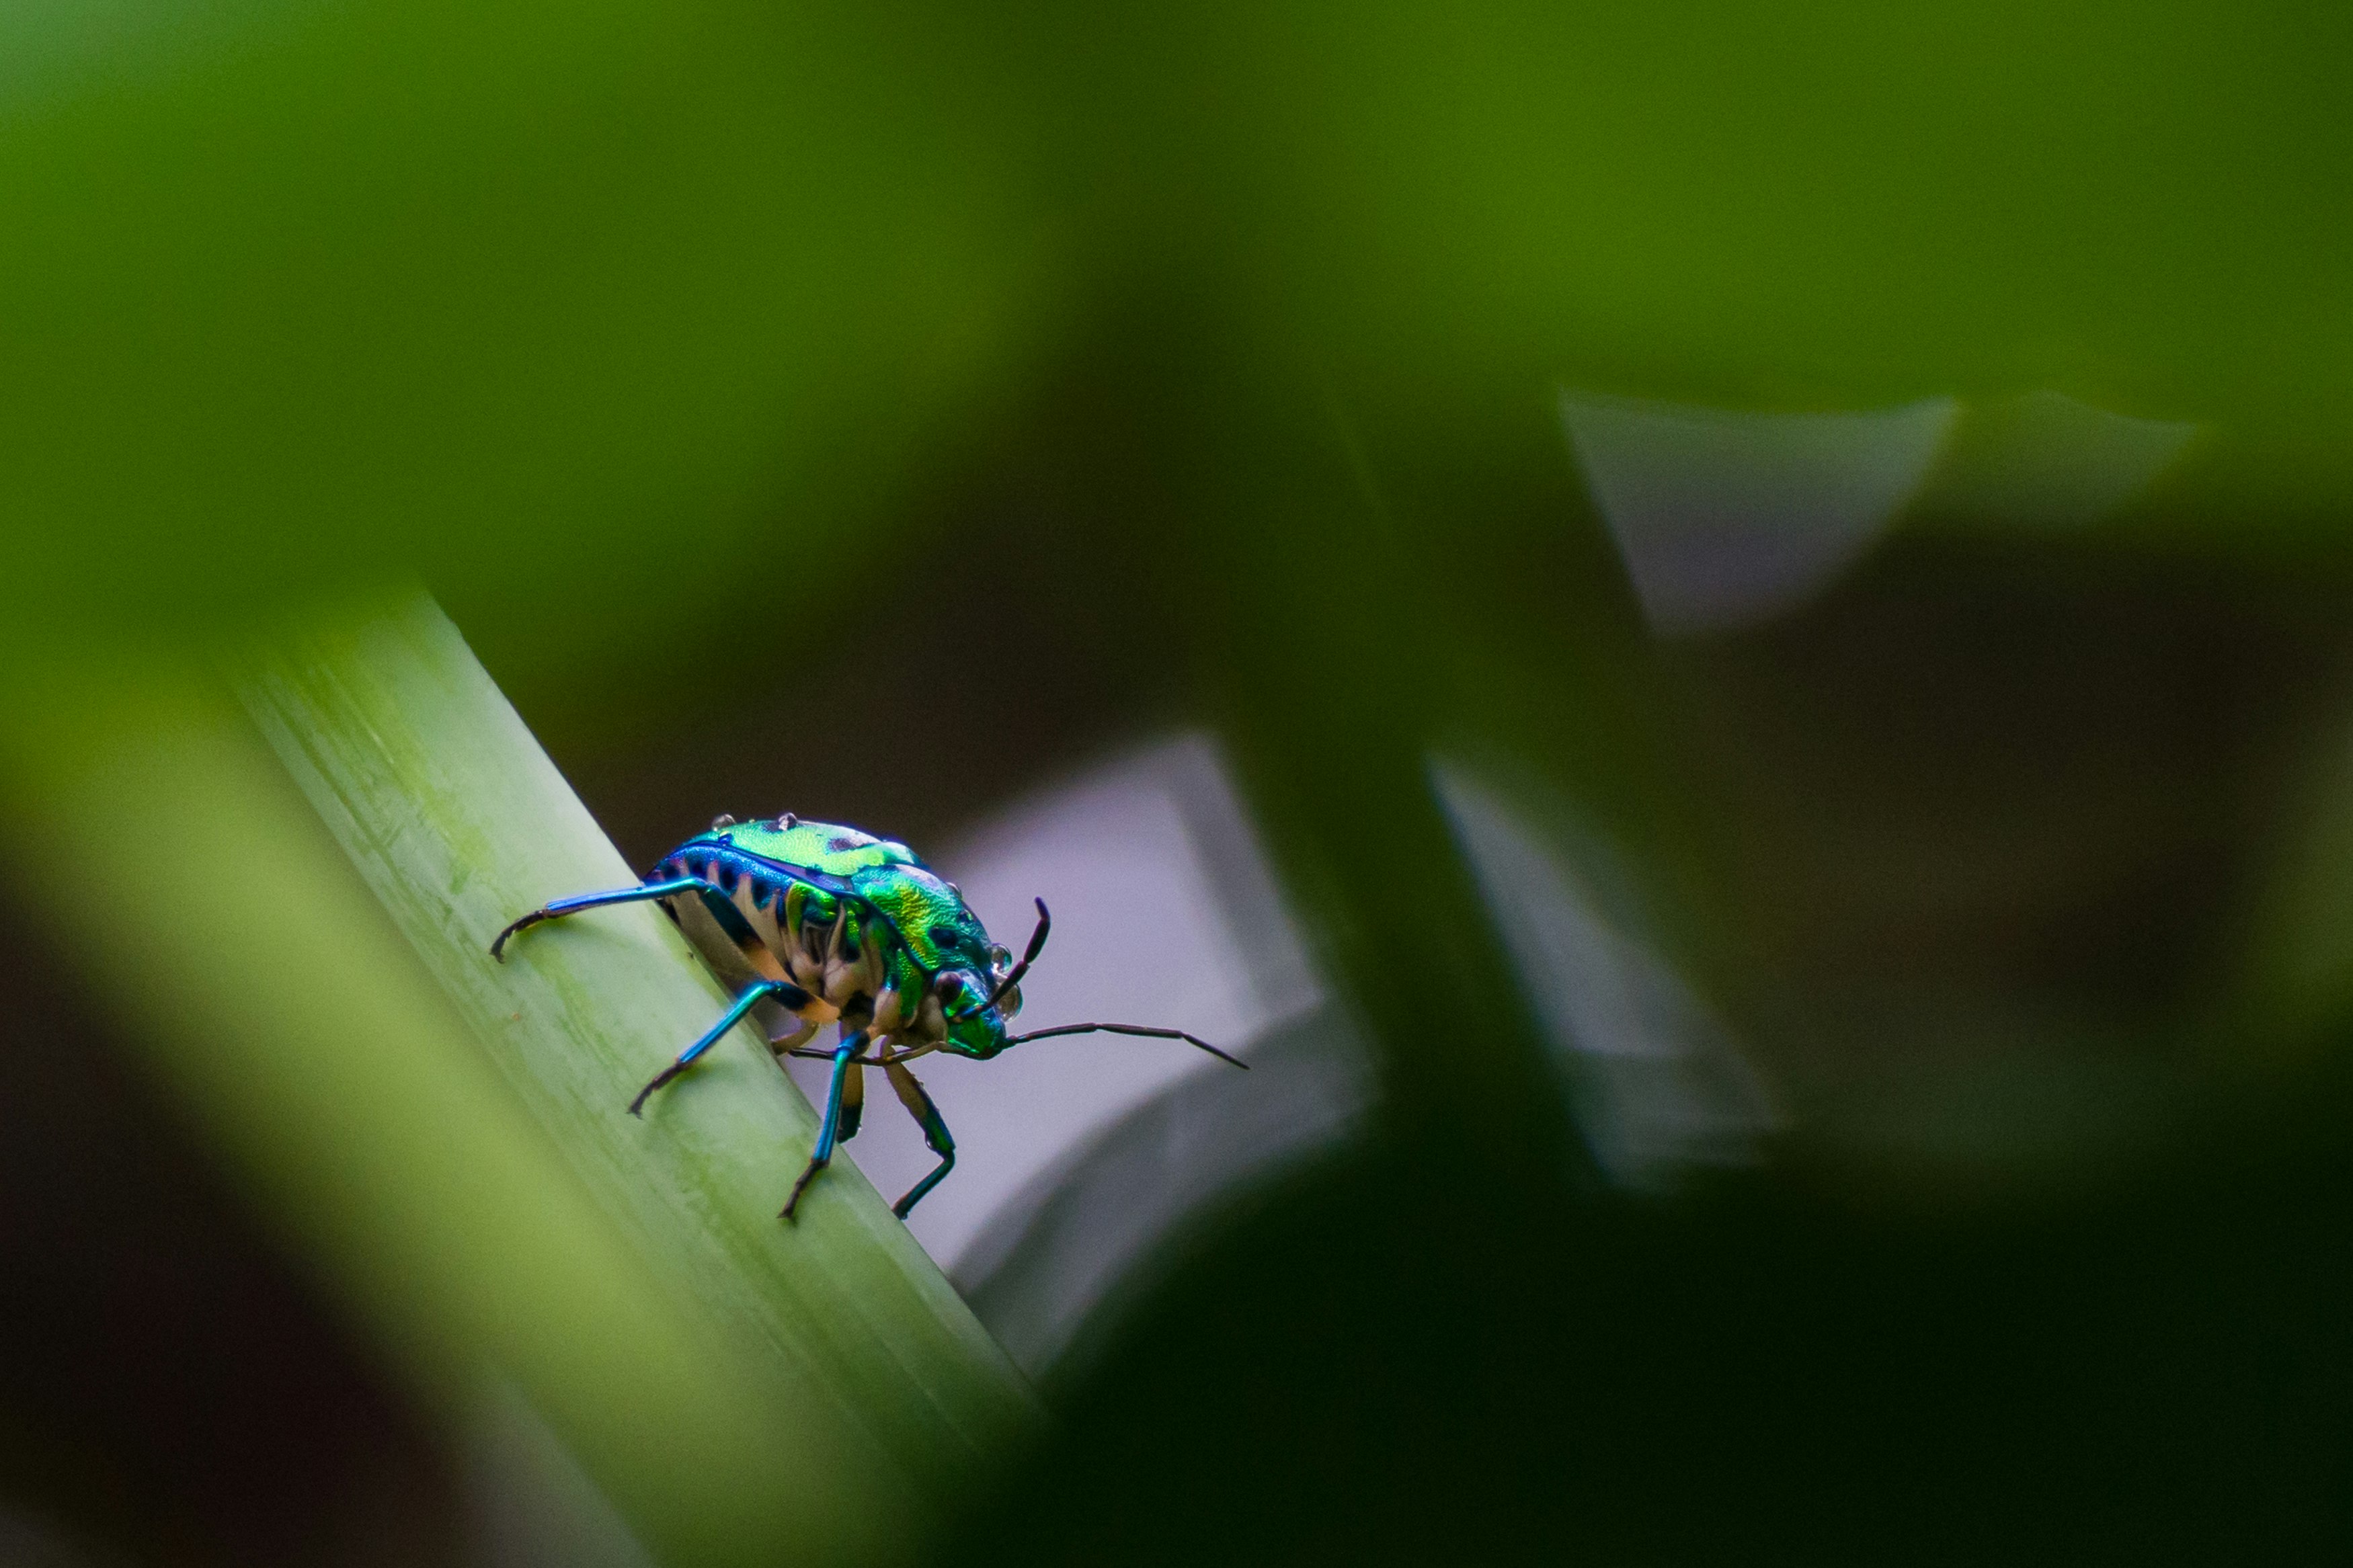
[[267, 990], [458, 822]]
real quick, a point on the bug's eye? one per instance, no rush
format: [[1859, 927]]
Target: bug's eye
[[948, 939]]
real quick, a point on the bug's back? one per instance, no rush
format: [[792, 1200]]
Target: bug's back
[[850, 916]]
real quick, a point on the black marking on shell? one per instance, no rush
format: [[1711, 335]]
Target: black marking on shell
[[731, 920], [835, 924], [838, 845]]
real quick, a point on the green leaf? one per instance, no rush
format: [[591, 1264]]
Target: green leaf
[[445, 1138], [460, 823]]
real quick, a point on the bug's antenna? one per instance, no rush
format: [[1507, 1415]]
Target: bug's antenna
[[1129, 1029], [1013, 976]]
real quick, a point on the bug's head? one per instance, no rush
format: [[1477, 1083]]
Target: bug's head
[[978, 1005], [976, 1024], [978, 996], [980, 1035]]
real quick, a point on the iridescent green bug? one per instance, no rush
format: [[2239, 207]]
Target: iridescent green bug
[[813, 924]]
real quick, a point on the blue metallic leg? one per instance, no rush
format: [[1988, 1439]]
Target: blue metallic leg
[[727, 1021], [822, 1156], [574, 905], [936, 1133]]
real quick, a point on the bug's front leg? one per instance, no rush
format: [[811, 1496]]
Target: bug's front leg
[[559, 908], [785, 991], [822, 1155], [936, 1133]]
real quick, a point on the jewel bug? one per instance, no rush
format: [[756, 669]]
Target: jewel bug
[[813, 924]]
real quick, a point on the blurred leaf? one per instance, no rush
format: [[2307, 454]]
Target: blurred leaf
[[740, 1389], [519, 293], [299, 1031]]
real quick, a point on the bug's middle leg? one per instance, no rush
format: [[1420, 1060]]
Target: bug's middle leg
[[560, 908], [791, 995], [829, 1127]]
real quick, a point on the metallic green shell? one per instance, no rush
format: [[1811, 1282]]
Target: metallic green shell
[[825, 846], [928, 913], [859, 920]]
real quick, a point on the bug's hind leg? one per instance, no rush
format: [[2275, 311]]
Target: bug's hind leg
[[579, 902], [792, 995], [827, 1129], [936, 1133]]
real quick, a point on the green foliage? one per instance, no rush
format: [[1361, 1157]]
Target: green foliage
[[446, 1135], [294, 293]]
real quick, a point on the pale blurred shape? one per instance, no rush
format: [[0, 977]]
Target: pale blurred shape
[[2299, 921], [1057, 1251], [2044, 459], [1725, 518], [1654, 1079], [1165, 913]]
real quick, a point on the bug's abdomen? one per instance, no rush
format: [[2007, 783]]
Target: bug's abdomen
[[764, 923]]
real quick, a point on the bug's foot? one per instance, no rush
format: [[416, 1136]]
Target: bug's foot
[[638, 1106], [798, 1188], [499, 942]]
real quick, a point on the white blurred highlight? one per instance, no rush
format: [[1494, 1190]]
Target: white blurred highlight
[[1086, 1225], [1655, 1079], [1725, 518]]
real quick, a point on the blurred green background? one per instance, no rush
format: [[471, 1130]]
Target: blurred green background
[[876, 410]]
